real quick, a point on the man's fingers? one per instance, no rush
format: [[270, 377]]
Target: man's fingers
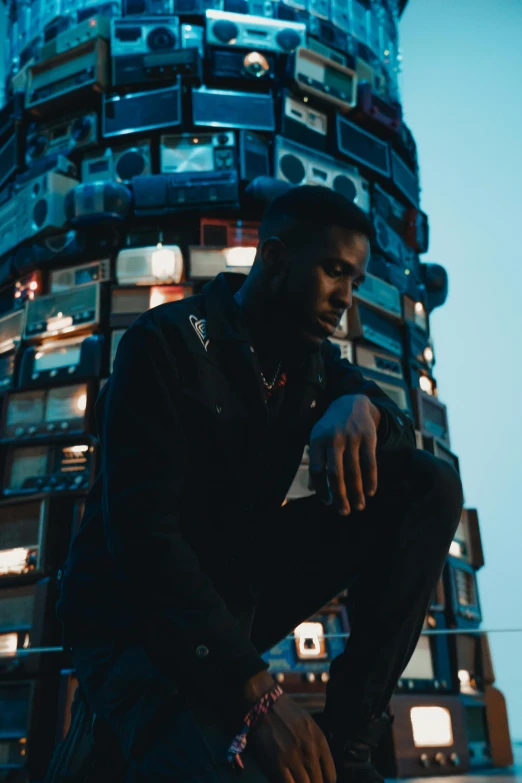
[[352, 475], [336, 477], [369, 465]]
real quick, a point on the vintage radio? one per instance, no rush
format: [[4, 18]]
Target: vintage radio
[[228, 233], [467, 541], [398, 392], [427, 737], [300, 662], [94, 27], [34, 537], [375, 328], [10, 157], [147, 7], [245, 31], [75, 74], [35, 209], [415, 313], [141, 111], [116, 335], [227, 109], [207, 262], [57, 361], [162, 264], [48, 467], [97, 202], [302, 166], [321, 48], [331, 36], [405, 180], [468, 661], [316, 75], [463, 604], [75, 310], [118, 163], [376, 113], [417, 233], [254, 156], [359, 145], [442, 452], [127, 303], [28, 619], [150, 49], [66, 278], [38, 413], [302, 123], [429, 670], [431, 416], [166, 193], [61, 137], [229, 63], [371, 361], [27, 727], [186, 152], [382, 296]]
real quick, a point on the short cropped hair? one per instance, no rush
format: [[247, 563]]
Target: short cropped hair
[[300, 211]]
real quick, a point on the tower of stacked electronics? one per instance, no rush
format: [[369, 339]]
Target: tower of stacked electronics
[[140, 141]]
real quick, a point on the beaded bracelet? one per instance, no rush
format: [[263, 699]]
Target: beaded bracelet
[[260, 708]]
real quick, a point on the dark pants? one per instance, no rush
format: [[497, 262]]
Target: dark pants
[[390, 556]]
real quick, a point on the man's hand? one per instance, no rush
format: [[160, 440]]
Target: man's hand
[[342, 453]]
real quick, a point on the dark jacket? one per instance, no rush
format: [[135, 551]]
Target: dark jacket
[[187, 453]]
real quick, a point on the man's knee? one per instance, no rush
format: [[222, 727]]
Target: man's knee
[[442, 481]]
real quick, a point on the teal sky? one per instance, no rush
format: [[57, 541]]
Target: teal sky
[[462, 67]]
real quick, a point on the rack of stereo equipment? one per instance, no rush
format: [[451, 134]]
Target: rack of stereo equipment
[[119, 118]]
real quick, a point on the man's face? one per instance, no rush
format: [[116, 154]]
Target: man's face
[[318, 282]]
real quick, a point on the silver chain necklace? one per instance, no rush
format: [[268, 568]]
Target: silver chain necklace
[[270, 385]]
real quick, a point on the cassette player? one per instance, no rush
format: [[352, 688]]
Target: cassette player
[[75, 310], [162, 264], [207, 262], [62, 137], [245, 32], [165, 193], [73, 75], [314, 74], [300, 165], [128, 302], [141, 111], [304, 124], [228, 233], [41, 413], [227, 109], [48, 467], [118, 163], [57, 361], [186, 152]]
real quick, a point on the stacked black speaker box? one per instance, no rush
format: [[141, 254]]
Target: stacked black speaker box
[[140, 142]]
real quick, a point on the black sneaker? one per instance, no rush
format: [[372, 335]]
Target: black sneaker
[[352, 756]]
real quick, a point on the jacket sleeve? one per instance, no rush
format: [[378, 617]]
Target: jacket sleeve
[[395, 427], [142, 464]]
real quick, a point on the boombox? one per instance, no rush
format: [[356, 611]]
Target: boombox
[[127, 303], [74, 74], [64, 136], [150, 49], [57, 361], [304, 124], [34, 538], [381, 295], [429, 669], [118, 163], [241, 64], [97, 202], [149, 265], [11, 331], [94, 27], [48, 467], [246, 32], [324, 78], [35, 209], [376, 329], [207, 262], [359, 145], [302, 166], [227, 109], [228, 233], [186, 152], [40, 413], [74, 310], [166, 193], [142, 111]]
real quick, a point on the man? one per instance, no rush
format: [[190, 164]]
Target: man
[[187, 566]]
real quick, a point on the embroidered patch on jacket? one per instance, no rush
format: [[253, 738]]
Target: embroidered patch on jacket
[[200, 327]]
